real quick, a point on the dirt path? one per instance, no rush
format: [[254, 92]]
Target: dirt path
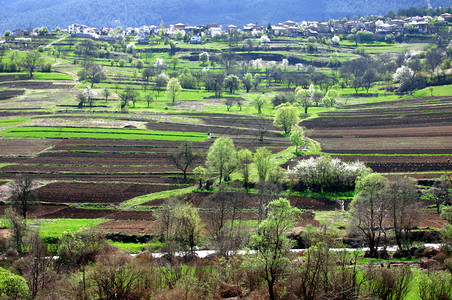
[[59, 40]]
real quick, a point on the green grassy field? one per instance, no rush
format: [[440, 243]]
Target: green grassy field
[[102, 133]]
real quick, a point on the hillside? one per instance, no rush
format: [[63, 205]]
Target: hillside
[[53, 13]]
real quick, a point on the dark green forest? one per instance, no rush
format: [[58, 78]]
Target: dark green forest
[[52, 13]]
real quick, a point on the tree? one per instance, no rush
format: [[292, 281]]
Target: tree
[[256, 80], [272, 244], [247, 81], [106, 93], [148, 72], [259, 102], [18, 228], [128, 95], [223, 220], [165, 218], [174, 61], [304, 98], [433, 59], [232, 82], [37, 266], [92, 73], [286, 116], [368, 78], [31, 61], [229, 103], [369, 209], [222, 157], [188, 226], [201, 173], [204, 58], [402, 198], [263, 162], [173, 88], [79, 250], [160, 81], [245, 158], [297, 137], [22, 195], [139, 64], [184, 158]]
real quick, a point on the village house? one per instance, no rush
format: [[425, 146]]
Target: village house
[[179, 26], [349, 25], [195, 39], [232, 28], [323, 27]]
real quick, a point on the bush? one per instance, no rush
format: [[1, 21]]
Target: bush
[[12, 286], [389, 283], [188, 81], [46, 67], [283, 98], [435, 285], [326, 174]]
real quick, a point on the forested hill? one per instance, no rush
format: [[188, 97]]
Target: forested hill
[[52, 13]]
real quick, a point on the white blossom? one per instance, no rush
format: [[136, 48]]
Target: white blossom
[[284, 63], [257, 63], [265, 39], [402, 74], [159, 63]]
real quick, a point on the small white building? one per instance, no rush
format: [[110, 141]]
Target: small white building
[[195, 39]]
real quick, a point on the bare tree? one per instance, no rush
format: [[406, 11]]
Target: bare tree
[[31, 62], [22, 194], [369, 209], [223, 216], [184, 158], [37, 266], [402, 198], [92, 73]]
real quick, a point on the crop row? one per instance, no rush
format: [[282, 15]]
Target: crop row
[[102, 133]]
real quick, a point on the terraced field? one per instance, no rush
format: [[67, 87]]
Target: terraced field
[[405, 136]]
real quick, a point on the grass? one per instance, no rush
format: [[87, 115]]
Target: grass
[[136, 247], [333, 218], [55, 228], [102, 133], [135, 202], [12, 122], [52, 76]]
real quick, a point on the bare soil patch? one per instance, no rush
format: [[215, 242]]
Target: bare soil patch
[[8, 94], [62, 192], [39, 85], [10, 147]]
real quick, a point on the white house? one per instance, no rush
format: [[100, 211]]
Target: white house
[[195, 39]]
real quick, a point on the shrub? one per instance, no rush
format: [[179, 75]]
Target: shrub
[[389, 283], [435, 285], [12, 286], [326, 174]]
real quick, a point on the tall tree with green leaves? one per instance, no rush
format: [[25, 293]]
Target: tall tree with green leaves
[[286, 116], [245, 158], [173, 89], [232, 83], [297, 137], [222, 157], [272, 244], [263, 162], [247, 81]]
